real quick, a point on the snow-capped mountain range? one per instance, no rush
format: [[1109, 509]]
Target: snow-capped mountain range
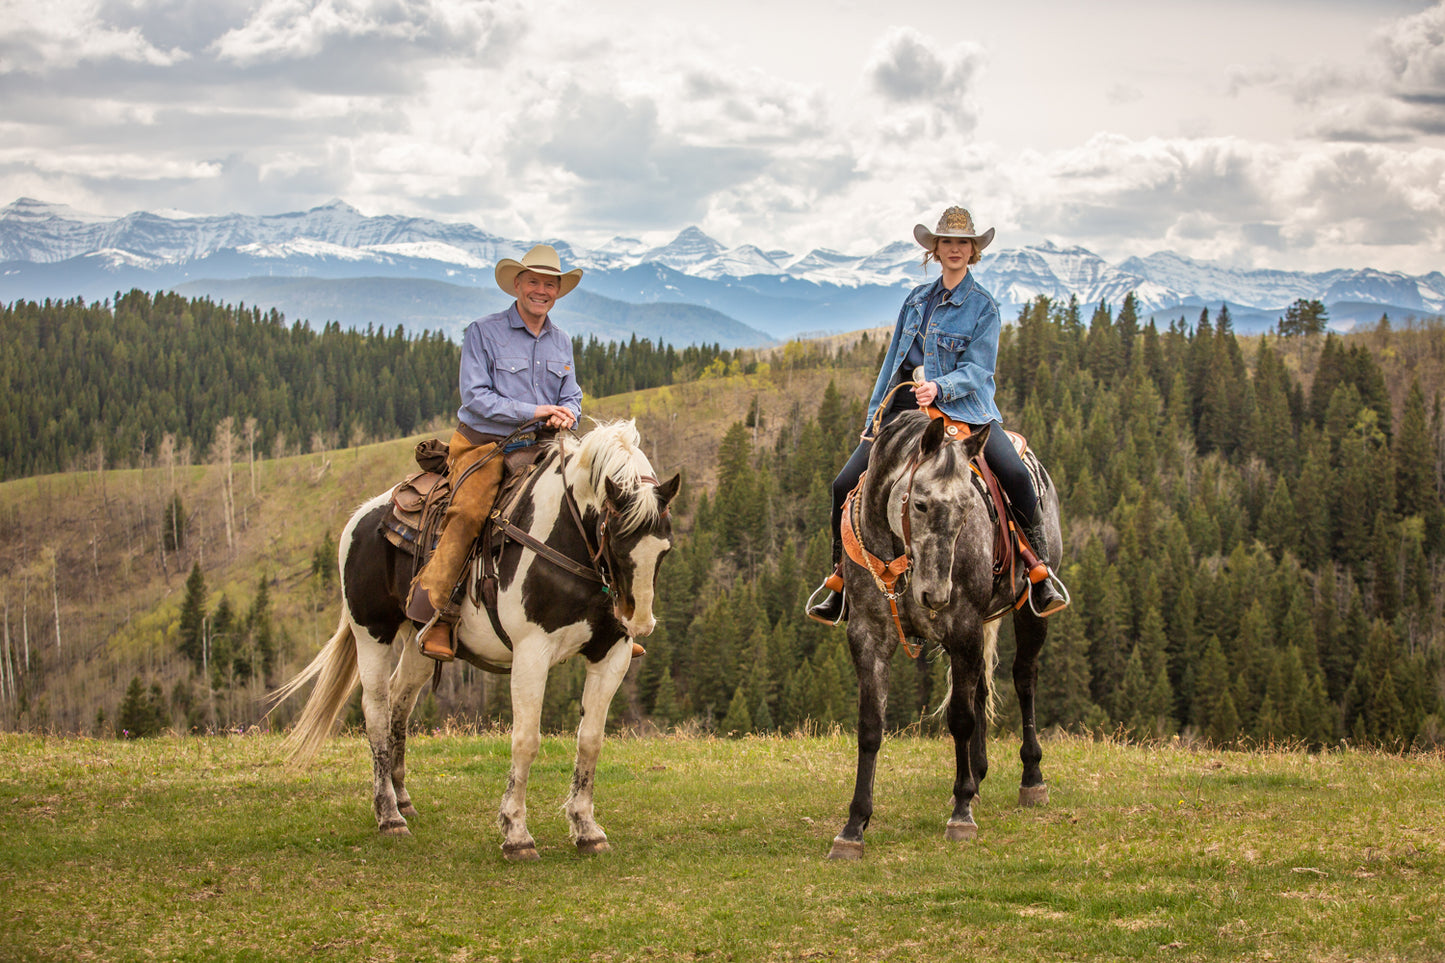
[[49, 250]]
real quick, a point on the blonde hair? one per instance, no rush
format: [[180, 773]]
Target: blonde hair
[[932, 255]]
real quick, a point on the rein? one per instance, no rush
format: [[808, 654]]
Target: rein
[[599, 561], [597, 571], [887, 575]]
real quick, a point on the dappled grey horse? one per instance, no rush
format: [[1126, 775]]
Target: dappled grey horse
[[919, 500]]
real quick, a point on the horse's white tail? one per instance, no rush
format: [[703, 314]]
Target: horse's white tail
[[990, 663], [334, 670]]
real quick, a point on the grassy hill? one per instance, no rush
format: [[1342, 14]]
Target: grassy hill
[[85, 550], [91, 595]]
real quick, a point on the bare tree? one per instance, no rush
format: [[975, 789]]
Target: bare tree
[[223, 450], [51, 558], [7, 672], [250, 431], [25, 620]]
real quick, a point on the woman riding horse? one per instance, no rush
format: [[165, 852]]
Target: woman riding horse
[[945, 343]]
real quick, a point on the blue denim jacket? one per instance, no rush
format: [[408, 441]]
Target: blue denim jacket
[[506, 372], [960, 349]]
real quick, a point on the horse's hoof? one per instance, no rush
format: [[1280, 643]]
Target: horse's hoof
[[1034, 795], [395, 827], [520, 852], [593, 847], [409, 810], [958, 832], [846, 849]]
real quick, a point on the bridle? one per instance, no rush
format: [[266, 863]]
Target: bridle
[[604, 565], [888, 575]]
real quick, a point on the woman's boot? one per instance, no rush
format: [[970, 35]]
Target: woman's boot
[[833, 608], [1044, 596]]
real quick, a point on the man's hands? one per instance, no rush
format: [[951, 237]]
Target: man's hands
[[926, 393], [556, 415]]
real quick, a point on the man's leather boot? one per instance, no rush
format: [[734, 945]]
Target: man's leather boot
[[437, 641], [1044, 597]]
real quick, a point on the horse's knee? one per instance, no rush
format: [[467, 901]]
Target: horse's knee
[[525, 745]]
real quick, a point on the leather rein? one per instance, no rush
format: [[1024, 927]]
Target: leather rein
[[600, 563], [887, 575]]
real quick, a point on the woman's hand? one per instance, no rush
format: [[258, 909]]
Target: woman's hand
[[926, 393]]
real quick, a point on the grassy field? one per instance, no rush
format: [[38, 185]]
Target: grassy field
[[212, 849]]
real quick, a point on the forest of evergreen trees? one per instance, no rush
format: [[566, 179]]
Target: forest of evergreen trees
[[1255, 536], [1249, 561], [111, 380], [102, 384]]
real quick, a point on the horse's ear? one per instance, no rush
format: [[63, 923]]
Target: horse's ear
[[974, 443], [613, 492], [667, 491], [934, 437]]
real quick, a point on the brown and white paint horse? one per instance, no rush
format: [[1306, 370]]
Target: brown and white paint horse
[[549, 613]]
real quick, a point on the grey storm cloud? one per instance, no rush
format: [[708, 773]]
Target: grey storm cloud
[[908, 70], [632, 169]]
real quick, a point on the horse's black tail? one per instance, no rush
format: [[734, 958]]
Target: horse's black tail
[[334, 670], [990, 662]]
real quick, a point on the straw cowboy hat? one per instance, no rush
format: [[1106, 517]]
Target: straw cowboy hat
[[542, 259], [955, 222]]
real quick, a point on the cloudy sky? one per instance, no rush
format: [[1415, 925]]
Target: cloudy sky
[[1269, 133]]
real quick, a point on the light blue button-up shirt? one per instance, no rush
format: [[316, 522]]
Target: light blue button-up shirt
[[960, 350], [507, 371]]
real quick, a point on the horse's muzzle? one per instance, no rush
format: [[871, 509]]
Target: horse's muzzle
[[637, 628]]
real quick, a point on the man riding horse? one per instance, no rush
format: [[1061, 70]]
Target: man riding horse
[[516, 367]]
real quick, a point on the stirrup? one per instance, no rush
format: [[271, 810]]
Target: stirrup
[[842, 611], [451, 634], [1058, 585]]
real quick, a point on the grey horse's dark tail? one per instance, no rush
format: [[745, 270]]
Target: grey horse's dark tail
[[990, 662]]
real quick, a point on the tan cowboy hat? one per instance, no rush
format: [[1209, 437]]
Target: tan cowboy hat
[[542, 259], [955, 222]]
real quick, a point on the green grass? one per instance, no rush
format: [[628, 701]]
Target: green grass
[[211, 849]]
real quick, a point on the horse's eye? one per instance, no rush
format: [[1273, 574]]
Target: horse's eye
[[920, 506]]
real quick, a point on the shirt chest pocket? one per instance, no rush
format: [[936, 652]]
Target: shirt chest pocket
[[514, 378]]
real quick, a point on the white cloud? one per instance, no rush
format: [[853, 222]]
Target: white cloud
[[41, 34], [300, 29], [612, 117]]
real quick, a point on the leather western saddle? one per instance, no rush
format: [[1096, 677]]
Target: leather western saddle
[[419, 503]]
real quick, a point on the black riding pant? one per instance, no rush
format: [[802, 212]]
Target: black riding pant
[[1008, 467]]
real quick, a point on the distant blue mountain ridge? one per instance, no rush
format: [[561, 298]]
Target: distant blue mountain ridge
[[333, 263]]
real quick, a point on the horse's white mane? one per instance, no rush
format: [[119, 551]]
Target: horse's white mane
[[613, 450]]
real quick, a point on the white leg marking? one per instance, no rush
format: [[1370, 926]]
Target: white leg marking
[[603, 679]]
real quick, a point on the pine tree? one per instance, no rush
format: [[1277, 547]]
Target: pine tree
[[665, 709], [1415, 458], [1278, 528], [738, 721], [141, 713], [193, 617]]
